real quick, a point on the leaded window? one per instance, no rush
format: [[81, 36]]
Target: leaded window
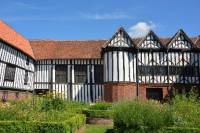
[[10, 73], [172, 70], [80, 73], [61, 73], [191, 71], [144, 70], [98, 73], [152, 70]]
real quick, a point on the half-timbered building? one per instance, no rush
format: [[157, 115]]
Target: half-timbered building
[[16, 64], [94, 70]]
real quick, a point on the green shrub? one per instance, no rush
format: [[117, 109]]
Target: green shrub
[[99, 113], [53, 104], [75, 107], [186, 110], [101, 106], [133, 116], [41, 109], [76, 121], [33, 127], [182, 130], [64, 126]]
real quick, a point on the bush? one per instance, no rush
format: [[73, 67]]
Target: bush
[[33, 127], [50, 103], [133, 116], [67, 126], [101, 106], [99, 113], [76, 121], [186, 110], [182, 130]]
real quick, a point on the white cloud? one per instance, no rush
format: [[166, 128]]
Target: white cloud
[[141, 29], [105, 16]]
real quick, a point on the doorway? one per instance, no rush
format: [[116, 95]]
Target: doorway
[[154, 93]]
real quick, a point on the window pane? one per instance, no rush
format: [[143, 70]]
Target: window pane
[[61, 73], [172, 70], [98, 73], [10, 72], [80, 72], [152, 70], [26, 78]]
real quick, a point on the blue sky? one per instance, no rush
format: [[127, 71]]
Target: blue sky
[[99, 19]]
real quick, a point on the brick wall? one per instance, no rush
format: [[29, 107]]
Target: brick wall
[[14, 95], [143, 87], [119, 91]]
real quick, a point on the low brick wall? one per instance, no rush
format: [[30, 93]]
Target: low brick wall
[[9, 95]]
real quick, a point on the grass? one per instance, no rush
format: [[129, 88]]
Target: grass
[[97, 128]]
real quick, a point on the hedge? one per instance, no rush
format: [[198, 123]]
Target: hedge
[[76, 121], [163, 130], [33, 127], [101, 106], [99, 113], [182, 130], [43, 127]]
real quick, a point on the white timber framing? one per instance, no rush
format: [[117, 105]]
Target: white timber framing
[[85, 92], [12, 56]]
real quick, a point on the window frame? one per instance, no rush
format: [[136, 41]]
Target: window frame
[[146, 70], [80, 74], [98, 79], [63, 78], [9, 77], [26, 77]]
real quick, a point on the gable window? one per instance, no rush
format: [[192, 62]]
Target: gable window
[[61, 73], [26, 78], [98, 73], [80, 73], [10, 73]]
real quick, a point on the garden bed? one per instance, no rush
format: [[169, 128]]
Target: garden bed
[[42, 115]]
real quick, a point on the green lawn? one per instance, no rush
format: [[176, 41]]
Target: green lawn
[[97, 128]]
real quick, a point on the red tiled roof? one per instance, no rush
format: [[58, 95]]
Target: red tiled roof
[[10, 36], [49, 49]]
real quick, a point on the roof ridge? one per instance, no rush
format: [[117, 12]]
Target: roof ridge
[[66, 40]]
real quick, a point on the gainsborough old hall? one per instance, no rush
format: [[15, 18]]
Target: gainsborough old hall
[[94, 70]]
